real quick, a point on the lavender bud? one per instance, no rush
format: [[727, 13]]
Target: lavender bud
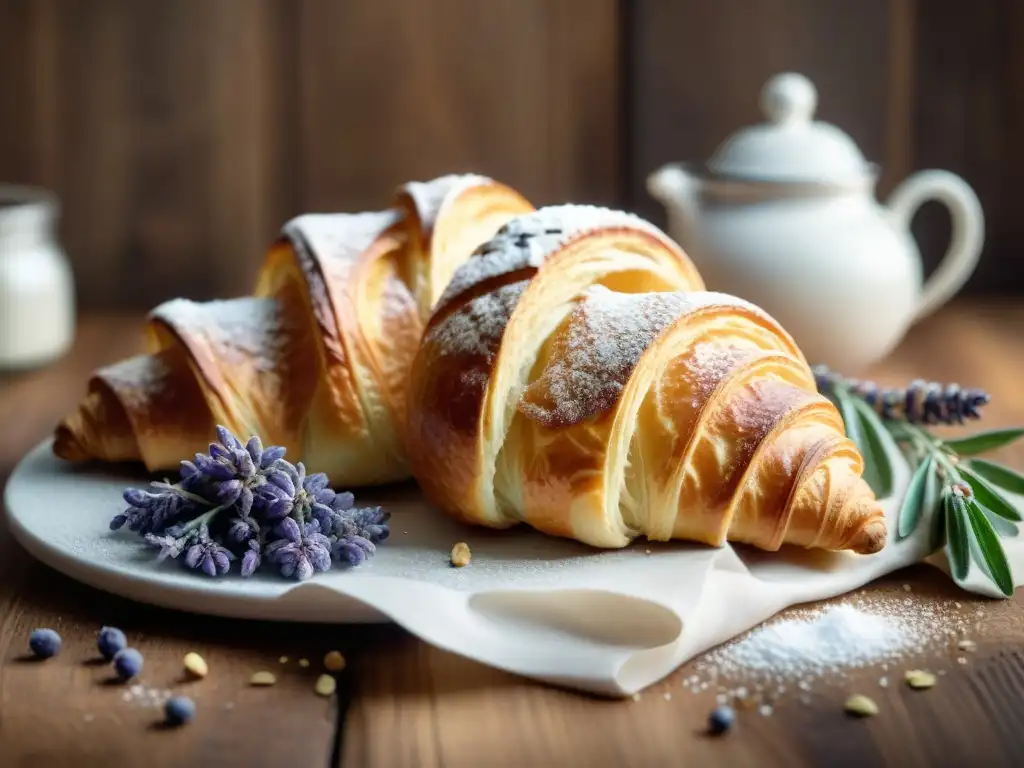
[[255, 449], [343, 501], [289, 529], [281, 480], [227, 439], [315, 482], [229, 492], [271, 455], [194, 555], [303, 568], [245, 500], [250, 560]]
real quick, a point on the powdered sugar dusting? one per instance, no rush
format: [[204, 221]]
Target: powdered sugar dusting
[[248, 330], [526, 241], [808, 645], [139, 379], [595, 352], [429, 196], [476, 327]]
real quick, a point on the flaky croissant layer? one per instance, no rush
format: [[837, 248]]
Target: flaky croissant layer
[[317, 360], [563, 368], [577, 378]]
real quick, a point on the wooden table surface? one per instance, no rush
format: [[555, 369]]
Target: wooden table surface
[[403, 703]]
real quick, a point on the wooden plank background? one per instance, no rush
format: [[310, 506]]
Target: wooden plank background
[[181, 135]]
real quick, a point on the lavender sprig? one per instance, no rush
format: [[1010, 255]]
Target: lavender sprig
[[246, 503], [921, 402]]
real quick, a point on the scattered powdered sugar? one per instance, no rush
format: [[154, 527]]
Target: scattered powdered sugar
[[595, 352], [526, 241], [476, 327], [240, 330], [826, 643], [141, 696]]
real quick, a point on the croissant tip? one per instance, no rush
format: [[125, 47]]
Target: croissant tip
[[66, 446], [871, 538]]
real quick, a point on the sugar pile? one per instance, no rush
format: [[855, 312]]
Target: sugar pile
[[826, 642]]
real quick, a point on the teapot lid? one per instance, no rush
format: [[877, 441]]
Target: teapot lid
[[790, 146]]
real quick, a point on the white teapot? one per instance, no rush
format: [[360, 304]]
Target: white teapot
[[784, 215]]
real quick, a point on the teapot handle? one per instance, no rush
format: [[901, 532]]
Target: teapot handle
[[968, 235]]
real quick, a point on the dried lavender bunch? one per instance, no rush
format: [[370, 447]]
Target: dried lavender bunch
[[921, 402], [247, 503]]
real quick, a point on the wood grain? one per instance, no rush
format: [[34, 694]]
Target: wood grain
[[181, 136], [518, 89], [403, 703]]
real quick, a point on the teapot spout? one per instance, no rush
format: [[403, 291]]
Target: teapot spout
[[676, 188]]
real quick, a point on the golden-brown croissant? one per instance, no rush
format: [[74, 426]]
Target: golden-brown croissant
[[576, 377], [316, 360]]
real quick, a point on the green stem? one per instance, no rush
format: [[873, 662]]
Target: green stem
[[181, 492], [203, 519]]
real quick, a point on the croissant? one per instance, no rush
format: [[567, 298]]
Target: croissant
[[575, 376], [316, 360]]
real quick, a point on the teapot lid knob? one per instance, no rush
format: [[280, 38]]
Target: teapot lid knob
[[789, 97]]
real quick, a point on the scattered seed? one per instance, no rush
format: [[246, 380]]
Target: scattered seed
[[919, 679], [968, 645], [303, 663], [647, 551], [884, 682], [805, 700], [635, 697], [262, 678], [196, 665], [741, 693], [90, 718], [961, 660], [668, 696], [765, 710], [957, 605], [722, 698], [334, 661], [907, 588], [861, 706], [325, 685], [283, 660], [461, 555]]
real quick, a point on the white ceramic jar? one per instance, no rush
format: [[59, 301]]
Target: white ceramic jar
[[37, 301]]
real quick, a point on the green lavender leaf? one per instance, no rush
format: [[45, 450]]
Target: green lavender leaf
[[997, 474], [989, 497], [938, 531], [980, 442], [878, 445], [1003, 527], [957, 541], [991, 549], [844, 402], [914, 501]]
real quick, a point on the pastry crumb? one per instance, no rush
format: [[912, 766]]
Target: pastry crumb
[[263, 678], [325, 685], [334, 661], [461, 555], [861, 706]]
